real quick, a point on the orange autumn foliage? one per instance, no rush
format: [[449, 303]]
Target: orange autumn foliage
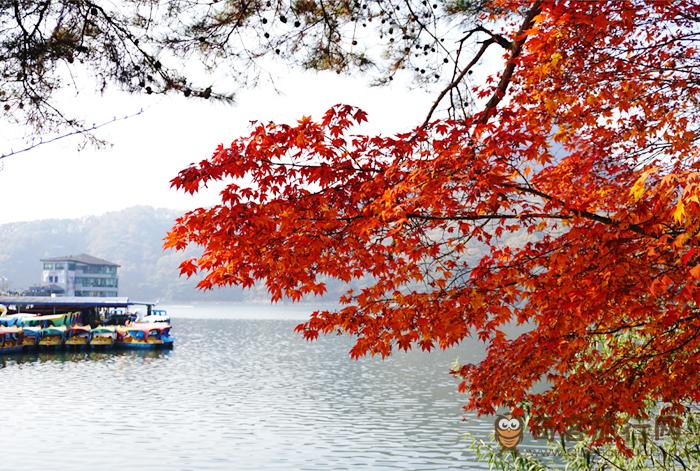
[[584, 149]]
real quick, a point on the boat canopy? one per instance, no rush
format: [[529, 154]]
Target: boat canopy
[[60, 330], [51, 305], [141, 330], [54, 319], [148, 326], [104, 329], [10, 330], [15, 319], [79, 328], [104, 332]]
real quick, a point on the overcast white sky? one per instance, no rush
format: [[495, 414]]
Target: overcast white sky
[[57, 181]]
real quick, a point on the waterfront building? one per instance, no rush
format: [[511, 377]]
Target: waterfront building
[[81, 275]]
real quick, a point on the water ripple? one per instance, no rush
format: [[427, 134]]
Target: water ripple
[[245, 394]]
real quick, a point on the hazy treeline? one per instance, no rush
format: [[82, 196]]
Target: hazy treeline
[[131, 238]]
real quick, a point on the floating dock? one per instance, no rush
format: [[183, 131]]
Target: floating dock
[[37, 322]]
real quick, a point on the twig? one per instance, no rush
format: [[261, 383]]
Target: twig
[[72, 133], [484, 46]]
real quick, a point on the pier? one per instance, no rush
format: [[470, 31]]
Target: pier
[[31, 322]]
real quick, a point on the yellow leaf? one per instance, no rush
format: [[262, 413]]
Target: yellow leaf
[[555, 58], [679, 213], [561, 135], [638, 188]]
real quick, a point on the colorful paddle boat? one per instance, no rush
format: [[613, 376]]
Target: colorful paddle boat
[[103, 336], [78, 336], [52, 337], [145, 335], [15, 319], [10, 339], [30, 337], [51, 320]]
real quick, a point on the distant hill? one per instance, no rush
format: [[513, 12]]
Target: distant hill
[[131, 238]]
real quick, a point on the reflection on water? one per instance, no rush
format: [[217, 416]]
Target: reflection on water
[[244, 394], [75, 356]]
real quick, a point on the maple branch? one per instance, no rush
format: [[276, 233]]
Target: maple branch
[[616, 329], [500, 40], [516, 48], [685, 342], [477, 217], [640, 324], [580, 212], [484, 46], [359, 168]]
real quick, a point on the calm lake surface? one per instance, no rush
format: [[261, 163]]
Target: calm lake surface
[[240, 391]]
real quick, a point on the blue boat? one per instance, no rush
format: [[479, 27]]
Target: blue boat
[[10, 339], [30, 337]]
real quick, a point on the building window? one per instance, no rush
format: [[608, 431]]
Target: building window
[[98, 269], [96, 282]]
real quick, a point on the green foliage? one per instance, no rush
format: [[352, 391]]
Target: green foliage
[[469, 7], [671, 452], [503, 460]]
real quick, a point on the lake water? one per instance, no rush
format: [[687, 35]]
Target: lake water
[[240, 391]]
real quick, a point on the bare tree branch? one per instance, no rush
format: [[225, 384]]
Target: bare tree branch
[[86, 130]]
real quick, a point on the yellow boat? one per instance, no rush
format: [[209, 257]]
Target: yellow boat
[[78, 336], [30, 337], [103, 336], [52, 337]]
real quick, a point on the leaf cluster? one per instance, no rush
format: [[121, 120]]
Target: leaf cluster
[[583, 146]]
